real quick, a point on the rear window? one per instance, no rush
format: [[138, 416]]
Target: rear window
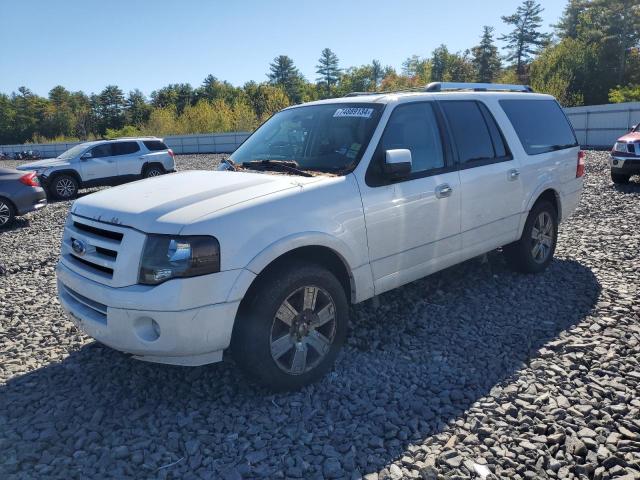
[[125, 148], [155, 145], [540, 124]]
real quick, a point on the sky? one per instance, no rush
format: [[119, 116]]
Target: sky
[[88, 44]]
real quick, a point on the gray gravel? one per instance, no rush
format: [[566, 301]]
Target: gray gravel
[[475, 372]]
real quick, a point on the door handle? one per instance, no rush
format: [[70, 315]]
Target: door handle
[[513, 174], [443, 191]]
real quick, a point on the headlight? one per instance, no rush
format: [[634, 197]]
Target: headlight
[[620, 147], [165, 257]]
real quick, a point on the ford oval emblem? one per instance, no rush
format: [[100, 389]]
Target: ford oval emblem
[[78, 247]]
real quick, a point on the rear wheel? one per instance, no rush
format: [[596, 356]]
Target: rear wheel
[[291, 331], [7, 213], [620, 178], [64, 187], [534, 251], [153, 171]]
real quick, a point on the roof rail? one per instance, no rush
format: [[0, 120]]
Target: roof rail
[[386, 92], [476, 87], [133, 138]]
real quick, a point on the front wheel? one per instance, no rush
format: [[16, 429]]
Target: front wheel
[[64, 187], [289, 334], [534, 251], [620, 178]]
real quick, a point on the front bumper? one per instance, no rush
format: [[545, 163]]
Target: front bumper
[[184, 336], [625, 165]]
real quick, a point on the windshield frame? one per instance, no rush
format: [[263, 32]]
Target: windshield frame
[[377, 115]]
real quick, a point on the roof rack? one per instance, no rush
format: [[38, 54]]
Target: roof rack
[[133, 138], [476, 87], [385, 92]]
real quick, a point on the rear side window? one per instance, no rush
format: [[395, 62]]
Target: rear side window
[[155, 145], [540, 124], [101, 151], [474, 132], [125, 148]]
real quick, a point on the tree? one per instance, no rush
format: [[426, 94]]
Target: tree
[[137, 108], [377, 73], [214, 89], [569, 24], [486, 60], [447, 67], [110, 105], [178, 95], [283, 72], [328, 70], [526, 39]]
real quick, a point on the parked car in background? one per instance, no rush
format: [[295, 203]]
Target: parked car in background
[[625, 156], [103, 162], [20, 193], [370, 192]]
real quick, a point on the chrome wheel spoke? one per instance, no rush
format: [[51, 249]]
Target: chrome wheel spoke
[[299, 359], [286, 313], [547, 240], [310, 297], [325, 315], [281, 346], [536, 250], [318, 342], [534, 233]]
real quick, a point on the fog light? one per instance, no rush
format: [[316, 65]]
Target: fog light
[[147, 329], [615, 162]]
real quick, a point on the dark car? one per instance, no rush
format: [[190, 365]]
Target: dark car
[[20, 193]]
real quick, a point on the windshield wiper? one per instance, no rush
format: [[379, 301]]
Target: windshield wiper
[[285, 165]]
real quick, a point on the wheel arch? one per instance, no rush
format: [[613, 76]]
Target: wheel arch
[[149, 164], [70, 172]]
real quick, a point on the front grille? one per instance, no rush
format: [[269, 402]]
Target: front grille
[[631, 148], [99, 231], [100, 268]]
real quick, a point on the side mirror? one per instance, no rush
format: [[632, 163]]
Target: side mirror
[[397, 163], [86, 155], [633, 127]]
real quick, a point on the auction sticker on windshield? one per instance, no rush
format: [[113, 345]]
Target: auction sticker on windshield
[[354, 112]]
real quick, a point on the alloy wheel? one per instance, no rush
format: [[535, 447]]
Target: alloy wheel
[[65, 187], [303, 330], [5, 213], [542, 235]]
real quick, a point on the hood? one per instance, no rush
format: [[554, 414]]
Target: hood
[[40, 164], [167, 203], [630, 137]]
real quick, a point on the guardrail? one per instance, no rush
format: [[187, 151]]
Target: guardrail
[[180, 144], [596, 126]]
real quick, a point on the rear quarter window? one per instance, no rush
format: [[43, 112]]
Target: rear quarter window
[[125, 148], [155, 145], [541, 125]]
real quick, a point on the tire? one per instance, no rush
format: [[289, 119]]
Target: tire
[[534, 251], [153, 170], [64, 187], [620, 178], [7, 213], [270, 342]]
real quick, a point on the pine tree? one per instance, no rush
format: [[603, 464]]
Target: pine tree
[[328, 69], [569, 23], [526, 39], [486, 60], [283, 72], [377, 73]]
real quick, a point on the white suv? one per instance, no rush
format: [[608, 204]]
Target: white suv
[[104, 162], [326, 204]]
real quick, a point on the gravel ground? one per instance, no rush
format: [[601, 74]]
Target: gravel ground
[[475, 372]]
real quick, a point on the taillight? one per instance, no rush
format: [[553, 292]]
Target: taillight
[[580, 167], [30, 179], [171, 154]]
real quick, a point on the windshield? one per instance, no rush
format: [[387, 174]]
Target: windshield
[[72, 152], [329, 137]]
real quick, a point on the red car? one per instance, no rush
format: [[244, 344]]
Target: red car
[[625, 156]]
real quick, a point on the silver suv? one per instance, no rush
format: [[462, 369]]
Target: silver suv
[[103, 162]]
